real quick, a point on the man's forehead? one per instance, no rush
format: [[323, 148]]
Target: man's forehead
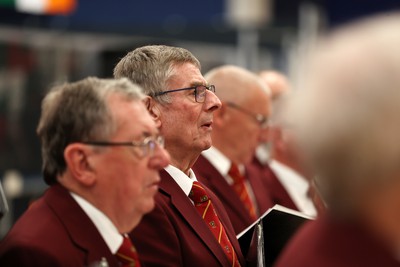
[[134, 113], [186, 70], [144, 121]]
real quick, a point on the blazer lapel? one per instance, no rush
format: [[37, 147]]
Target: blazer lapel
[[183, 204], [81, 229], [279, 194], [216, 182], [261, 191]]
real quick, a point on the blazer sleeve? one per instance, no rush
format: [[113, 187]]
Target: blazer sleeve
[[22, 256]]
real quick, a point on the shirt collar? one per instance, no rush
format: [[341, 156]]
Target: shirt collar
[[103, 224], [218, 160], [185, 182], [263, 153], [221, 163], [296, 185], [288, 176]]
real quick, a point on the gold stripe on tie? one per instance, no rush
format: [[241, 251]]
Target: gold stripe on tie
[[207, 211]]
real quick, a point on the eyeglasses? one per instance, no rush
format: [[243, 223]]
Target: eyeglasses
[[260, 119], [199, 92], [143, 149]]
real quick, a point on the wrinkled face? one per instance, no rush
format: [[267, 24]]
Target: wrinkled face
[[242, 132], [127, 181], [186, 124]]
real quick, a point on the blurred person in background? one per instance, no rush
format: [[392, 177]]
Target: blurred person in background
[[237, 131], [280, 159], [101, 155], [276, 81], [189, 226], [347, 114]]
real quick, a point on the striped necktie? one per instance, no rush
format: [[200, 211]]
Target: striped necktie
[[127, 254], [206, 210], [240, 188]]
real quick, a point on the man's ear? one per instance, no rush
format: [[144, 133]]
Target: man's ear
[[77, 158], [154, 109]]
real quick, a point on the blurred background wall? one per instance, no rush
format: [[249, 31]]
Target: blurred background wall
[[40, 47]]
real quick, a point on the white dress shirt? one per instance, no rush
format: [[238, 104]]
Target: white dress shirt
[[296, 186], [263, 153], [185, 182], [103, 224]]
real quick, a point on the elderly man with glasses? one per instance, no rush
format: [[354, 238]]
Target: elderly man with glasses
[[101, 156], [189, 226], [239, 127]]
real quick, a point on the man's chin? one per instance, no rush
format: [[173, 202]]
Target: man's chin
[[148, 206], [202, 143], [207, 145]]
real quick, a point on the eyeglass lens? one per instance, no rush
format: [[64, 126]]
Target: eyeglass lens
[[150, 144], [200, 92]]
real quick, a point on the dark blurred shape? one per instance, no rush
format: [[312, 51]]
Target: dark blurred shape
[[19, 107], [3, 203], [342, 11], [277, 226]]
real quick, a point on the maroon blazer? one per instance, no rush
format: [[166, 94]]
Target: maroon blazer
[[174, 234], [330, 243], [277, 192], [54, 231], [238, 214]]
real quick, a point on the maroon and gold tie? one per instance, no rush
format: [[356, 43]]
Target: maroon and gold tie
[[206, 209], [240, 188], [127, 254]]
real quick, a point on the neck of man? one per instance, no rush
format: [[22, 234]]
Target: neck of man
[[183, 160]]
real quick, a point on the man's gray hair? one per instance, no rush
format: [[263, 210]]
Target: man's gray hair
[[75, 112], [152, 66]]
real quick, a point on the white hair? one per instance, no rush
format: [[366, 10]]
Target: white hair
[[348, 104]]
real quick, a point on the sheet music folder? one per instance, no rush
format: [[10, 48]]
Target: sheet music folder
[[277, 225]]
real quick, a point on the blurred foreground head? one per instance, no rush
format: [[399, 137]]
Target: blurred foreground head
[[347, 115], [99, 142], [74, 112]]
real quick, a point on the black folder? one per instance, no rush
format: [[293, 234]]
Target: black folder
[[263, 241]]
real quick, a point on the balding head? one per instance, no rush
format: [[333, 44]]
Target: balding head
[[234, 83], [245, 99]]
